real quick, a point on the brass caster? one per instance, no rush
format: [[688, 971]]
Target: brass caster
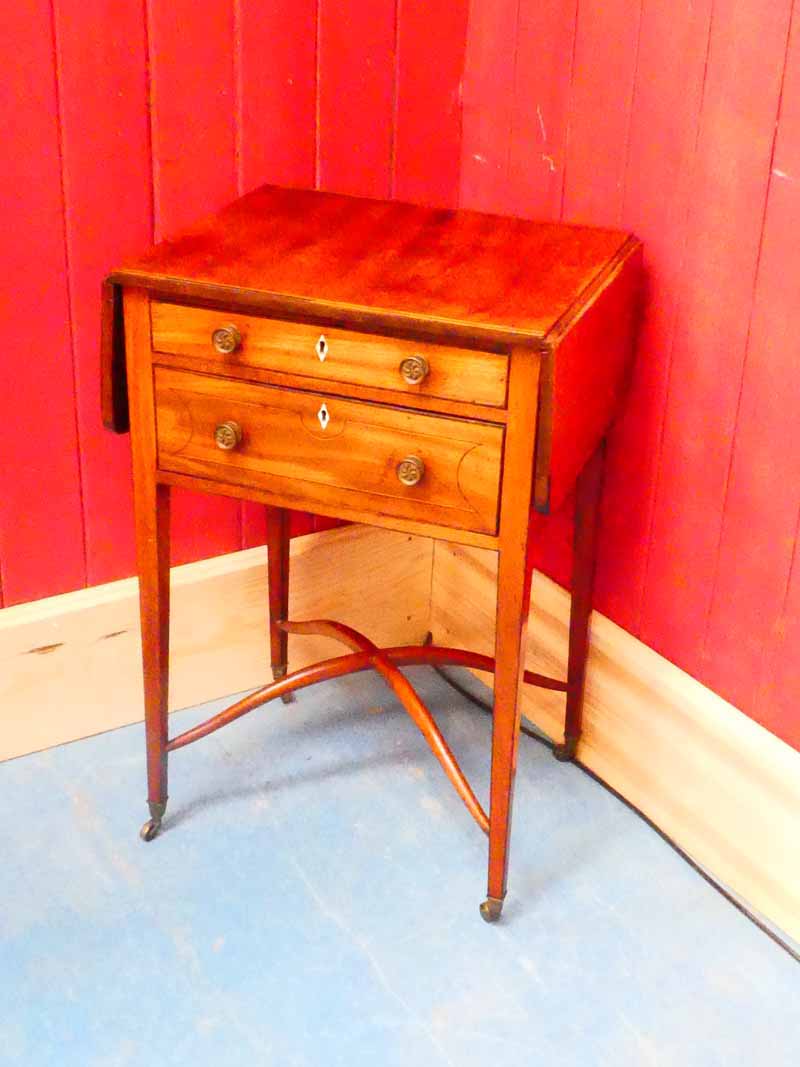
[[565, 753], [153, 824], [150, 829], [280, 672], [490, 909]]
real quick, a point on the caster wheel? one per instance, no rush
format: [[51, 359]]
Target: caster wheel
[[278, 673], [491, 909], [565, 753], [150, 829]]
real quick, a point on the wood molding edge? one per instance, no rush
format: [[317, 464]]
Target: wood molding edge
[[70, 665], [716, 782]]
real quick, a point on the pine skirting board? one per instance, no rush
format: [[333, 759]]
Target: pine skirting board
[[720, 785], [70, 666]]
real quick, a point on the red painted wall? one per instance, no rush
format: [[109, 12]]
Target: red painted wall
[[677, 119]]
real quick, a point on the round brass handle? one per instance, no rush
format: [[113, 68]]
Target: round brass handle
[[414, 369], [228, 435], [410, 471], [226, 339]]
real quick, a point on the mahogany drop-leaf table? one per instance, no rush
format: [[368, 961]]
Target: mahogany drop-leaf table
[[438, 372]]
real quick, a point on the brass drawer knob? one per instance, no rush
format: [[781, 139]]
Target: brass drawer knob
[[226, 339], [414, 369], [228, 435], [410, 470]]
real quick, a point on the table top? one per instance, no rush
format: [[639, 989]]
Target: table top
[[495, 275]]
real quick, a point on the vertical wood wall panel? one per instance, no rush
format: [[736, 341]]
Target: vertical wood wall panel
[[356, 64], [430, 60], [488, 103], [278, 91], [737, 126], [777, 701], [543, 71], [603, 71], [658, 194], [194, 111], [101, 53], [763, 501], [41, 527]]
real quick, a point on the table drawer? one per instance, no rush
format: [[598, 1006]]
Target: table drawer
[[357, 358], [314, 450]]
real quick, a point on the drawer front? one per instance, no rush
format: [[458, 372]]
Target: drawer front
[[356, 358], [314, 450]]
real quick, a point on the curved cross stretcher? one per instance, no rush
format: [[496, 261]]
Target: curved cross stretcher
[[387, 662]]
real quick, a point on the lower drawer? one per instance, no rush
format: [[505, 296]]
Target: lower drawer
[[313, 450]]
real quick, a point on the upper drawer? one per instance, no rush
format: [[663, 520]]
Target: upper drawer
[[332, 355]]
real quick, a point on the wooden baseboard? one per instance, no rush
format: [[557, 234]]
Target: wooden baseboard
[[70, 665], [724, 788]]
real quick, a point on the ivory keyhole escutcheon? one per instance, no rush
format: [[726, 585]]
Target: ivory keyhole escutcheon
[[322, 350], [323, 416]]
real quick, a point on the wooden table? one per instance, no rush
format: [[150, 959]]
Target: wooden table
[[431, 371]]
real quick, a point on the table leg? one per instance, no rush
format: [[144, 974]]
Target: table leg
[[587, 508], [513, 597], [278, 576], [152, 536], [151, 510]]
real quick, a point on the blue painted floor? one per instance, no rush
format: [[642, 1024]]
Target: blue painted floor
[[313, 900]]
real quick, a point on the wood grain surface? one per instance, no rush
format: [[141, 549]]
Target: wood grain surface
[[452, 267]]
